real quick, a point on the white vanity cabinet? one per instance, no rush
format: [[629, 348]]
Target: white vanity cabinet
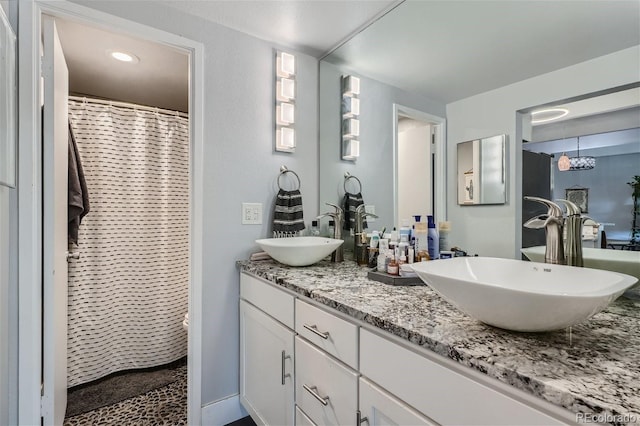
[[266, 352], [346, 370]]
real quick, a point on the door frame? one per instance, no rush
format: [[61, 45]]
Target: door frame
[[439, 125], [30, 213]]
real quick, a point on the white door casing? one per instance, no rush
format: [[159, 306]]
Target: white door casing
[[31, 165], [54, 227]]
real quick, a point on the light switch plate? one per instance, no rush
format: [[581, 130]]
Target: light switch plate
[[252, 213]]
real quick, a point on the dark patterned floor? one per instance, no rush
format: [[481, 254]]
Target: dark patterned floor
[[166, 405]]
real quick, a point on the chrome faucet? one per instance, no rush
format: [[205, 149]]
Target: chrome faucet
[[360, 246], [338, 218], [552, 222], [573, 225]]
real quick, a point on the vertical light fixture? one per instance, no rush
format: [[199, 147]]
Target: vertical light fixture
[[285, 102], [350, 109]]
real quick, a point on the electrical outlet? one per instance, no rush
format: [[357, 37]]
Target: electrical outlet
[[252, 213], [370, 208]]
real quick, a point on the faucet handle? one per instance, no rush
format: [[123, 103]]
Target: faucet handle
[[554, 209], [338, 208], [572, 209]]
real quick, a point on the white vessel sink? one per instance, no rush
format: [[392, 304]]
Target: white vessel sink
[[299, 251], [623, 261], [520, 295]]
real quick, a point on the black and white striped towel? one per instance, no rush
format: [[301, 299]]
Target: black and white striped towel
[[349, 204], [287, 216]]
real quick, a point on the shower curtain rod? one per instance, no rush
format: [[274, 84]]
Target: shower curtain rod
[[128, 105]]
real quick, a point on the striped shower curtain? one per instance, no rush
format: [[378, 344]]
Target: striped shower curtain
[[128, 290]]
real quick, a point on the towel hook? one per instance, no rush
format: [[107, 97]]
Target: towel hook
[[284, 170], [348, 176]]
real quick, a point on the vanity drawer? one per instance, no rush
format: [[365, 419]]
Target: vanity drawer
[[326, 390], [269, 299], [444, 395], [330, 333]]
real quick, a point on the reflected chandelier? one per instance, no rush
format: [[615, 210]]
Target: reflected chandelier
[[576, 163]]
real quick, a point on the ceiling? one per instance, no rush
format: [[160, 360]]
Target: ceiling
[[451, 50], [448, 50]]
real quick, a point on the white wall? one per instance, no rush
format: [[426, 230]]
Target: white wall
[[240, 165], [374, 167], [495, 230], [8, 288]]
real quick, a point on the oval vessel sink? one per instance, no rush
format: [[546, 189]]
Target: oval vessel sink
[[299, 251], [523, 296], [623, 261]]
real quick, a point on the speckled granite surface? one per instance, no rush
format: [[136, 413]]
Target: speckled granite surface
[[593, 367]]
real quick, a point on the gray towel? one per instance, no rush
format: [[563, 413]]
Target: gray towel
[[349, 204], [78, 197], [287, 216]]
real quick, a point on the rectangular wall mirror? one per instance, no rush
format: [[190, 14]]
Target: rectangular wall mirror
[[481, 171]]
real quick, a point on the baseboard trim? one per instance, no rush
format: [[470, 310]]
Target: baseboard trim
[[224, 411]]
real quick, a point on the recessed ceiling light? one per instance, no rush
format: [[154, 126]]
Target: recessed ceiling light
[[544, 115], [123, 56]]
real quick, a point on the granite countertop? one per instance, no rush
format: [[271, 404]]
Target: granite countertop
[[591, 368]]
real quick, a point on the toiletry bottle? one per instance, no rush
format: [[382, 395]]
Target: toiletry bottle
[[443, 233], [405, 230], [434, 245], [411, 255], [394, 236], [375, 238], [332, 227], [422, 243], [393, 268], [315, 231], [382, 262]]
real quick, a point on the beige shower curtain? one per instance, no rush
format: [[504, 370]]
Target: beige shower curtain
[[128, 290]]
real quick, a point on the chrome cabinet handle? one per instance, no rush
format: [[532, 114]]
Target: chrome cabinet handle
[[313, 391], [314, 330], [284, 357]]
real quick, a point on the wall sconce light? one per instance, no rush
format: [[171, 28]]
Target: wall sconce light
[[350, 109], [285, 102]]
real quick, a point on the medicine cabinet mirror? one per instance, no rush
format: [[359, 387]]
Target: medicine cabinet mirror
[[481, 171]]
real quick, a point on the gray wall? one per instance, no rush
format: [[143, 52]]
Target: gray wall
[[8, 286], [240, 165], [374, 167], [609, 195]]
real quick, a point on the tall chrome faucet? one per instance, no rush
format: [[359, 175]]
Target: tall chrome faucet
[[573, 226], [338, 218], [552, 222], [360, 247]]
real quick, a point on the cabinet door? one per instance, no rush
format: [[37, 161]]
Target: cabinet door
[[266, 367], [380, 408]]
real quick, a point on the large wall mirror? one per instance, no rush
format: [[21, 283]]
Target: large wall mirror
[[481, 171], [402, 134], [605, 127]]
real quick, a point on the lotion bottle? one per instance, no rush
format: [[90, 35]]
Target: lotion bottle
[[434, 244]]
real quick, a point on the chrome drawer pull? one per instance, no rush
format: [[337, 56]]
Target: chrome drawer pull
[[314, 330], [284, 357], [312, 390]]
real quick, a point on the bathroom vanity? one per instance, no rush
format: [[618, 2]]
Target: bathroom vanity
[[325, 345]]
